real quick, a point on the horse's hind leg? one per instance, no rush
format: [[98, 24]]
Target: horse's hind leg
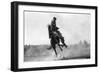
[[54, 47], [55, 52]]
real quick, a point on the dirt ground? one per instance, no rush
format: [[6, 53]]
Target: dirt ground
[[41, 53]]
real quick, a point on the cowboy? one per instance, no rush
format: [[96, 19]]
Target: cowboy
[[55, 30], [53, 24], [52, 27]]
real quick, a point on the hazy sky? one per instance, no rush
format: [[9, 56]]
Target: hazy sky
[[74, 27]]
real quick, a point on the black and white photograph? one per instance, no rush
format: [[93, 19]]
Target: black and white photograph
[[53, 36]]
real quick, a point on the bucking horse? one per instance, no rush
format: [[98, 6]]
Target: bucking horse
[[55, 39]]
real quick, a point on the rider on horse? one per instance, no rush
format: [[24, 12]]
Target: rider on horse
[[54, 30]]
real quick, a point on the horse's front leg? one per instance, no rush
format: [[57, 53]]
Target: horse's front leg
[[60, 47], [63, 42]]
